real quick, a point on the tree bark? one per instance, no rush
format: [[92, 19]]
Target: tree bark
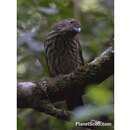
[[40, 94]]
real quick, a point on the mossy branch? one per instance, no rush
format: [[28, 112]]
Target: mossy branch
[[40, 94]]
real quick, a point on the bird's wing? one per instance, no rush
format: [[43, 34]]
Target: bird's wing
[[80, 52]]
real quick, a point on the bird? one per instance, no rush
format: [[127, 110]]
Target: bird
[[64, 55]]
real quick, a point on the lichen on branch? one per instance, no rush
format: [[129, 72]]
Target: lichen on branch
[[34, 94]]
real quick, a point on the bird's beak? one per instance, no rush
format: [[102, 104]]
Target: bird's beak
[[77, 29]]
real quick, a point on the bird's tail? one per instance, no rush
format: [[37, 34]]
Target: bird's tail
[[73, 100]]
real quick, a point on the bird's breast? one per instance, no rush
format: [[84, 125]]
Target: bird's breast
[[63, 58]]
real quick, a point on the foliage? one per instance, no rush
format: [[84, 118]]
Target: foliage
[[35, 17]]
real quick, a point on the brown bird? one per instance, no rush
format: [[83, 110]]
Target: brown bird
[[63, 53]]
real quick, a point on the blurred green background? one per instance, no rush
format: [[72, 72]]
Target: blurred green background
[[34, 20]]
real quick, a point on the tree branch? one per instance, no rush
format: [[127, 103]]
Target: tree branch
[[36, 94]]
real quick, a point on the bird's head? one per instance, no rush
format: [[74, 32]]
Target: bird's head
[[67, 27]]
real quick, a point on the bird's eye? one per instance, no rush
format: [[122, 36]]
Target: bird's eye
[[71, 22]]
